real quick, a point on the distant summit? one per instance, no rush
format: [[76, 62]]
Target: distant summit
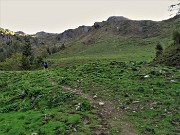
[[20, 33], [41, 34], [116, 18]]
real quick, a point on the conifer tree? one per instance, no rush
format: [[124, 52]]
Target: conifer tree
[[159, 50], [27, 57]]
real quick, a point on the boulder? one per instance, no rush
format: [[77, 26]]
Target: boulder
[[101, 103]]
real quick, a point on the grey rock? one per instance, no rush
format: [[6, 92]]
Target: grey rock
[[116, 18]]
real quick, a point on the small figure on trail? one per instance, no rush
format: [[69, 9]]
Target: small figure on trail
[[45, 66]]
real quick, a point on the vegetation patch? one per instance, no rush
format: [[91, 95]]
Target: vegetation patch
[[31, 104], [148, 95]]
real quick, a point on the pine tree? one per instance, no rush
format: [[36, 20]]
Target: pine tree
[[25, 62], [27, 48], [159, 50], [27, 57]]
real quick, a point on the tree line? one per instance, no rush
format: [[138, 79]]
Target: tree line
[[24, 52]]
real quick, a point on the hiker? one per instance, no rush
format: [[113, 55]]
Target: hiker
[[45, 66]]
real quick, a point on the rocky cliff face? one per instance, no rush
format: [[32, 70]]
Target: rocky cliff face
[[72, 33], [116, 19], [114, 25], [42, 34], [20, 33]]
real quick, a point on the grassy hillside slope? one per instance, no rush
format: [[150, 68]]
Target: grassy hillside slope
[[114, 39], [46, 102], [97, 85], [117, 48], [31, 104], [123, 41]]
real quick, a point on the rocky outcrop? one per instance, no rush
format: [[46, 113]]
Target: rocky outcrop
[[20, 33], [73, 33], [42, 34], [98, 25], [117, 25], [116, 19]]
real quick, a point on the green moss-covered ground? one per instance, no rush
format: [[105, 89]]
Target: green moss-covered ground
[[146, 95]]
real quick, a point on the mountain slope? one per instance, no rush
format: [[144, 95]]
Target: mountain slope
[[122, 27], [117, 38], [123, 40], [106, 96]]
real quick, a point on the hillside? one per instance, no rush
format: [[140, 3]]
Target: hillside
[[100, 83], [13, 42], [120, 26], [116, 38], [97, 98]]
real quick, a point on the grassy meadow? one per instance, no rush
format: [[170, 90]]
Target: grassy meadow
[[108, 87], [140, 93]]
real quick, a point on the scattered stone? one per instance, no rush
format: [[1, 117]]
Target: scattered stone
[[162, 72], [85, 121], [146, 76], [23, 94], [74, 129], [135, 102], [45, 117], [95, 96], [71, 125], [101, 103], [77, 106], [172, 81], [1, 72]]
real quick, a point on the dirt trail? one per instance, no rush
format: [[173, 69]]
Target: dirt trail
[[111, 117]]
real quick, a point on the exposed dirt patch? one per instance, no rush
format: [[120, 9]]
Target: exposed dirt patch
[[110, 117]]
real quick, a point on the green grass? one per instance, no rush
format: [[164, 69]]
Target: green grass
[[116, 48], [146, 95], [30, 103], [151, 103]]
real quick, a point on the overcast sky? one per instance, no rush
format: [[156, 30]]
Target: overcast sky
[[55, 16]]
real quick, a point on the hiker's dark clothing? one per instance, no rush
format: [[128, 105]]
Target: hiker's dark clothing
[[45, 65]]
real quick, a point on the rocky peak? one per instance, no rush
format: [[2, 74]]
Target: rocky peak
[[73, 33], [20, 33], [116, 18], [41, 34]]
